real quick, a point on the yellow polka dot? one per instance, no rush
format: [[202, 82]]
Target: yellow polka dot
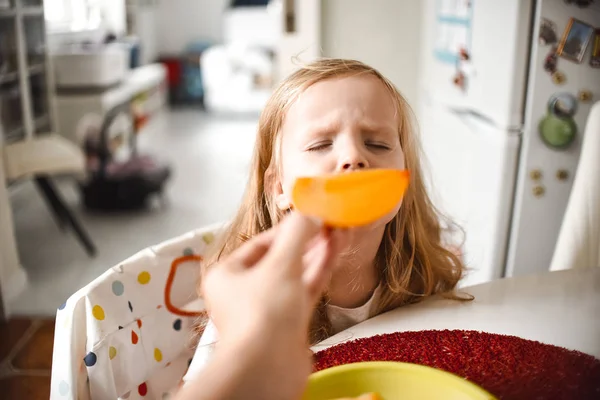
[[208, 238], [144, 277], [98, 313], [157, 355], [112, 352]]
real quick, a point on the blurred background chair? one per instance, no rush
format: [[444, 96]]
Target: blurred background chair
[[42, 158]]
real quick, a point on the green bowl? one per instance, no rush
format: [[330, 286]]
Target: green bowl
[[391, 381]]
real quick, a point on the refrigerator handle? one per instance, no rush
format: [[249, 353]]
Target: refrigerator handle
[[467, 113]]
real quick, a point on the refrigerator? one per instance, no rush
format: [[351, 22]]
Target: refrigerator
[[505, 90]]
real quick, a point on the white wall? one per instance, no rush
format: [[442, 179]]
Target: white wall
[[303, 45], [183, 21], [382, 33], [146, 30], [113, 13]]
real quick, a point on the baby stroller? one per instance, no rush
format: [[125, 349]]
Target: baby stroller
[[114, 184]]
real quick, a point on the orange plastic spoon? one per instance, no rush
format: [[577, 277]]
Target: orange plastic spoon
[[350, 199]]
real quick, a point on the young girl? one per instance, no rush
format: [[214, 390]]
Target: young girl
[[336, 116]]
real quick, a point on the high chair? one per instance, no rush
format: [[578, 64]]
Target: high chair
[[130, 333]]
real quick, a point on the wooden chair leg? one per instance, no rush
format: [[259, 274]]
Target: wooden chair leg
[[63, 213]]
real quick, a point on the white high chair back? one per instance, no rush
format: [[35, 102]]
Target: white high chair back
[[128, 334]]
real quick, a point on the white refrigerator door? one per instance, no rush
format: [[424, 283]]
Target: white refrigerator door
[[472, 168], [537, 220], [497, 40], [299, 39]]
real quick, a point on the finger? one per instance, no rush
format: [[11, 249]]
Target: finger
[[295, 232], [312, 251], [253, 250], [318, 274]]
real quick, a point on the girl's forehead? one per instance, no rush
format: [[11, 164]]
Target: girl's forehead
[[362, 98]]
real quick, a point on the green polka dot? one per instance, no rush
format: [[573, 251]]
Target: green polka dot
[[188, 252]]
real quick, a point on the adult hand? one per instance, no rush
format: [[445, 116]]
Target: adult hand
[[261, 299]]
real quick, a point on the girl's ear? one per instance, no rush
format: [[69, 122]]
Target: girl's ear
[[282, 200], [275, 189]]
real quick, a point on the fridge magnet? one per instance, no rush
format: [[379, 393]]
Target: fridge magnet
[[575, 39], [459, 80], [557, 128], [585, 96], [562, 174], [563, 105], [547, 32], [559, 78], [550, 61], [557, 133], [595, 60]]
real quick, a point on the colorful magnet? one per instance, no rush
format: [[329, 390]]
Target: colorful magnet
[[557, 133], [459, 80], [575, 39], [595, 59], [585, 96], [548, 34], [558, 128], [563, 105], [559, 78], [550, 61]]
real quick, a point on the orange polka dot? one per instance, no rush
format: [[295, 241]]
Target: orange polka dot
[[98, 313], [134, 337], [144, 277], [139, 323], [158, 355]]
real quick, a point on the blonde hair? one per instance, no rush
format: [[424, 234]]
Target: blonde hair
[[412, 260]]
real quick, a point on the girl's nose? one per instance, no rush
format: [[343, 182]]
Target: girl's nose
[[352, 158], [353, 165]]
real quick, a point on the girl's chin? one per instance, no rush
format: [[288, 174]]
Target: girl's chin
[[377, 225]]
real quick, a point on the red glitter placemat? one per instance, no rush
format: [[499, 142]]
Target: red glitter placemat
[[509, 367]]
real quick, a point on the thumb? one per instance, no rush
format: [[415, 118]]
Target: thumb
[[293, 236]]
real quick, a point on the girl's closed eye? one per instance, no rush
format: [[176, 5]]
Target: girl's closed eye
[[381, 146], [319, 146]]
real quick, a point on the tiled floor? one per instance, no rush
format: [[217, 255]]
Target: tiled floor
[[26, 358], [210, 157]]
